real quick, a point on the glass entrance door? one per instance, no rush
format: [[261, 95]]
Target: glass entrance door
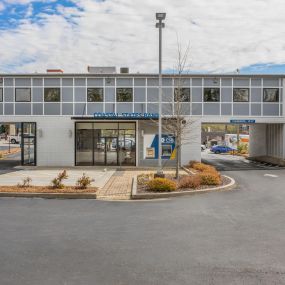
[[105, 143], [28, 143], [111, 151]]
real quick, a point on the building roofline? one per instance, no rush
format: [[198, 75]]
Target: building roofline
[[197, 75]]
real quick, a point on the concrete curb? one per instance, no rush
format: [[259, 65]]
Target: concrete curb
[[231, 185], [48, 195]]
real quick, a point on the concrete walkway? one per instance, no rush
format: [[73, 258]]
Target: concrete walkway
[[43, 177]]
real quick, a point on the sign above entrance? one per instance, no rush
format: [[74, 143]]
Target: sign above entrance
[[126, 115], [242, 121]]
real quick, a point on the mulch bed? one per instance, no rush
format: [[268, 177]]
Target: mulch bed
[[144, 189], [45, 189]]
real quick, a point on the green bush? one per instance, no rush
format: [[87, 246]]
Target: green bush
[[144, 178], [193, 181], [210, 178], [84, 181], [57, 182], [161, 185], [26, 182]]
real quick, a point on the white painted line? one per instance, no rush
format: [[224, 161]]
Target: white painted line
[[271, 175]]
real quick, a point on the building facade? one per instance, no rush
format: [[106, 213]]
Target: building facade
[[110, 119]]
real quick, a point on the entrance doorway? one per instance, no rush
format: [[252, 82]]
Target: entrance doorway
[[105, 143]]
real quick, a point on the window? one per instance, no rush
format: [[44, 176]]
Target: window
[[124, 94], [270, 95], [211, 94], [23, 95], [241, 94], [52, 94], [1, 94], [182, 94], [95, 94]]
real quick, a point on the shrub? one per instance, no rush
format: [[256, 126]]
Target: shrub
[[84, 181], [144, 178], [57, 182], [210, 178], [203, 167], [242, 149], [25, 182], [193, 181], [192, 163], [161, 185]]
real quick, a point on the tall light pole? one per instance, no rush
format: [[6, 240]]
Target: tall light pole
[[160, 25]]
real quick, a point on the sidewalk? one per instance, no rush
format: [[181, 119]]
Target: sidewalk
[[118, 187]]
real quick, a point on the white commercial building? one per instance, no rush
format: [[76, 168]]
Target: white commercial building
[[110, 119]]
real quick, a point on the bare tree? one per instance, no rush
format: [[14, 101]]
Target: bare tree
[[175, 111]]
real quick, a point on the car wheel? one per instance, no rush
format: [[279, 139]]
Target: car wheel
[[217, 152], [13, 141]]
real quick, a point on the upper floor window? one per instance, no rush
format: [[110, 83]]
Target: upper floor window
[[23, 95], [1, 94], [270, 95], [211, 94], [95, 94], [182, 94], [241, 95], [52, 94], [124, 94]]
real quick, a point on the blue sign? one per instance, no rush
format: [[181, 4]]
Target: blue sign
[[126, 115], [242, 121]]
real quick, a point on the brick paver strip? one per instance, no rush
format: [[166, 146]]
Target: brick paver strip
[[119, 186]]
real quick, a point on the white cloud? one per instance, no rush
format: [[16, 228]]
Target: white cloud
[[224, 35], [2, 6]]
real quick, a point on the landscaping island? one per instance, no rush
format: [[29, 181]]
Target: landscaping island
[[196, 177]]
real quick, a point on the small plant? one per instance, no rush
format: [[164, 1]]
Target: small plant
[[26, 182], [161, 185], [144, 178], [242, 149], [84, 181], [193, 181], [210, 178], [57, 182]]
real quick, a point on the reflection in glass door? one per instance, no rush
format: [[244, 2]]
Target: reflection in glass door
[[28, 143], [111, 150], [99, 151]]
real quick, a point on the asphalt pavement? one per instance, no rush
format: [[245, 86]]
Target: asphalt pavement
[[233, 237], [228, 162]]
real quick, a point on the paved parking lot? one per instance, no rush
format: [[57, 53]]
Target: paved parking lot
[[228, 162], [223, 238]]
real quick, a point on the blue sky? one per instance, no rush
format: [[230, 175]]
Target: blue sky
[[223, 35]]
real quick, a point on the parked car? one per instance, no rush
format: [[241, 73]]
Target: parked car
[[15, 139], [221, 149]]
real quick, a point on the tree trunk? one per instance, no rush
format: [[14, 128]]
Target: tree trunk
[[177, 162]]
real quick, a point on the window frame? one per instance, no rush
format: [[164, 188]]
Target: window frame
[[271, 88], [24, 88], [49, 101], [182, 101], [125, 88], [212, 88], [1, 94], [98, 88], [240, 101]]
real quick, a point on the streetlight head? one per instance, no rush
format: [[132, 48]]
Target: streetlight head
[[160, 16]]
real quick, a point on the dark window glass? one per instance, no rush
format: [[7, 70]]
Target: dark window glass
[[211, 94], [23, 94], [182, 94], [95, 94], [241, 94], [52, 94], [270, 95], [124, 94], [1, 94]]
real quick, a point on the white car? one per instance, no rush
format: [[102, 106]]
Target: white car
[[203, 147], [14, 139]]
